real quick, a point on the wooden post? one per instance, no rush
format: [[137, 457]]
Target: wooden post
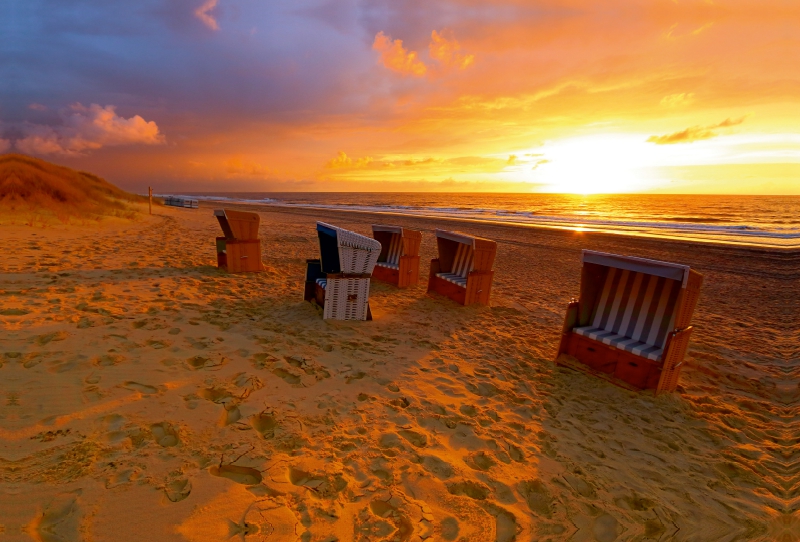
[[150, 196]]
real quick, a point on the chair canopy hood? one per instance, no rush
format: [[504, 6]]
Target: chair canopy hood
[[642, 265]]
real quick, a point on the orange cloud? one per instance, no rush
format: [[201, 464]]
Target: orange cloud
[[343, 161], [694, 133], [86, 129], [5, 144], [204, 14], [238, 167], [395, 57], [445, 48]]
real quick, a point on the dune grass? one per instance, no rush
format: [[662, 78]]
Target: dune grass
[[35, 192]]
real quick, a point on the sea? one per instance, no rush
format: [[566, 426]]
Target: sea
[[760, 221]]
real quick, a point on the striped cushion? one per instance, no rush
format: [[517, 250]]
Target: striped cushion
[[462, 263], [322, 282], [389, 265], [395, 249], [455, 279], [635, 309], [623, 343]]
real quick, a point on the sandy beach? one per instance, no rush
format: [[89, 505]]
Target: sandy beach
[[147, 395]]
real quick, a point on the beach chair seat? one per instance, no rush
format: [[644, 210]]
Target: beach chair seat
[[649, 351], [339, 280], [398, 262], [239, 250], [463, 270], [632, 320]]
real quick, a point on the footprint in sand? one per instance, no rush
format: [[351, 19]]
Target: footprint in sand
[[230, 414], [292, 379], [480, 461], [449, 528], [416, 439], [177, 490], [265, 424], [92, 394], [141, 388], [505, 524], [473, 490], [165, 434], [42, 340], [386, 521], [60, 520], [537, 496], [201, 362], [516, 453], [122, 477], [241, 475], [107, 360], [216, 395], [441, 469]]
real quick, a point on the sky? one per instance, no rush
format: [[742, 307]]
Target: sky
[[568, 96]]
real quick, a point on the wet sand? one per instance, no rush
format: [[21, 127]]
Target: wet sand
[[147, 395]]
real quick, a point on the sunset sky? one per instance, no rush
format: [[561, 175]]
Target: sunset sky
[[680, 96]]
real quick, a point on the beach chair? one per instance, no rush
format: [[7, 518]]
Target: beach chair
[[398, 262], [632, 320], [339, 279], [186, 203], [239, 251], [463, 270]]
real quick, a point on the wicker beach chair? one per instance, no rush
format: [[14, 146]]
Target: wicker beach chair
[[398, 262], [186, 203], [339, 279], [632, 321], [463, 270], [239, 251]]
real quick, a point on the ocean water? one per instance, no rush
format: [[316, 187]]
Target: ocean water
[[765, 221]]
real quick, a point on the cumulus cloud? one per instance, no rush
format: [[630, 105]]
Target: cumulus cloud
[[694, 133], [204, 14], [5, 144], [395, 57], [37, 107], [445, 48], [86, 129], [344, 161]]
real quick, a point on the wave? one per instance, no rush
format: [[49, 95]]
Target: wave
[[695, 227]]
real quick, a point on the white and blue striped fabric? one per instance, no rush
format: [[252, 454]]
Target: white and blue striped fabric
[[394, 252], [462, 265], [635, 313], [322, 282]]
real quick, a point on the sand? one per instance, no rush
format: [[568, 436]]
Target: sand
[[147, 395]]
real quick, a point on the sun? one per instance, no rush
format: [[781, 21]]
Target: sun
[[596, 164]]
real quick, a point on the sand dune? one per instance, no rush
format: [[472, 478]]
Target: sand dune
[[37, 193], [149, 396]]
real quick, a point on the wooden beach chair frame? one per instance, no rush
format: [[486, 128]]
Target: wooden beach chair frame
[[463, 271], [239, 250], [398, 262], [631, 324], [339, 280]]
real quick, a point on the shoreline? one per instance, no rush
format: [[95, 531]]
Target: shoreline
[[409, 220], [596, 230]]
